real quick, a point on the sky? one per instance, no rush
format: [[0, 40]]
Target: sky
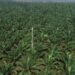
[[41, 0], [46, 0]]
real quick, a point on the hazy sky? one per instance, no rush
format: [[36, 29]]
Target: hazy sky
[[46, 0], [41, 0]]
